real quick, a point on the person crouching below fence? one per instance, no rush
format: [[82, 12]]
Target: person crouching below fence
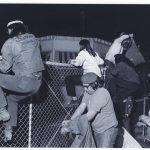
[[89, 60], [20, 55], [100, 111]]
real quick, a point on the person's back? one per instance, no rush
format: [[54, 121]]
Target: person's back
[[123, 71], [26, 54], [89, 63]]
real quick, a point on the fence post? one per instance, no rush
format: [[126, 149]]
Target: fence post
[[30, 123]]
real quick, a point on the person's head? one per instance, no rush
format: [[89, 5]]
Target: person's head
[[126, 43], [119, 58], [91, 82], [16, 28], [85, 44]]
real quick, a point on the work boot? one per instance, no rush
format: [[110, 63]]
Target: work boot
[[4, 115], [8, 133]]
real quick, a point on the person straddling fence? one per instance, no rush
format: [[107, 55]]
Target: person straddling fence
[[89, 60], [100, 111], [20, 55]]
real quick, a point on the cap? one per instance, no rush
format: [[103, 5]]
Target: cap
[[89, 78], [13, 22]]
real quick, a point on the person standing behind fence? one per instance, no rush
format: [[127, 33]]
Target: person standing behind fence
[[89, 60], [21, 55]]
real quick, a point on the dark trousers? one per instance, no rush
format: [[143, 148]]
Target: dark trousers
[[120, 90], [71, 82], [18, 89]]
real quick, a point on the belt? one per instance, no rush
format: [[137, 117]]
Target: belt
[[36, 75]]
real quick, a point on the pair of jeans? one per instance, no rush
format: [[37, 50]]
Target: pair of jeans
[[107, 138], [17, 88]]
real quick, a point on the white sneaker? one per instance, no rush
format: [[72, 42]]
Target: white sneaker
[[8, 134], [4, 115]]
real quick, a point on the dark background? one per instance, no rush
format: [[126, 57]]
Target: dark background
[[91, 20]]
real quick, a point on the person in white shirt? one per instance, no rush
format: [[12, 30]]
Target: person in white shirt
[[117, 46], [89, 60]]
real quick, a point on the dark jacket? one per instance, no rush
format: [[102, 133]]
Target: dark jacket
[[125, 72]]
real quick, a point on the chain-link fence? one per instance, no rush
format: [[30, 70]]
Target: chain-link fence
[[48, 115], [39, 122]]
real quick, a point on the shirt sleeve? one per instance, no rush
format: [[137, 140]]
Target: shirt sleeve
[[123, 37], [100, 60], [85, 98], [6, 61], [98, 101], [80, 58]]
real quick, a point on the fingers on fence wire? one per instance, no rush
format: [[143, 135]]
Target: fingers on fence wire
[[65, 123], [64, 130]]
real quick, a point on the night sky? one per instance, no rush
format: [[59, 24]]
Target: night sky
[[102, 21]]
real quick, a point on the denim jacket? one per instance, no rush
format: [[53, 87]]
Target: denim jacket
[[21, 54]]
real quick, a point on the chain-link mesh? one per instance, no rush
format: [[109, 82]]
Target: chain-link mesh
[[49, 113], [20, 134]]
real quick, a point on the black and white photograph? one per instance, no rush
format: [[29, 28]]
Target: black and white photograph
[[74, 75]]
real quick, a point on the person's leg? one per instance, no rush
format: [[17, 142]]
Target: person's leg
[[19, 84], [71, 82], [21, 87], [112, 88], [13, 108], [13, 111], [106, 139], [12, 100]]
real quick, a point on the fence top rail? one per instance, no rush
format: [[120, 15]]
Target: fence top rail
[[57, 64]]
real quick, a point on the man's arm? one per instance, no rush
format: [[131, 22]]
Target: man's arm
[[91, 114], [6, 58], [79, 111]]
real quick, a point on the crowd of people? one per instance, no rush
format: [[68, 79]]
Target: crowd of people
[[101, 112], [105, 108]]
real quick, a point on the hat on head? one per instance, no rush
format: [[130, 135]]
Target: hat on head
[[89, 78], [14, 22]]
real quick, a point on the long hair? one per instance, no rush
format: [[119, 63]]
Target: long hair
[[86, 45], [17, 29]]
